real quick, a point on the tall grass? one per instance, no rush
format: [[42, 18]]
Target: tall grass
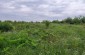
[[34, 39]]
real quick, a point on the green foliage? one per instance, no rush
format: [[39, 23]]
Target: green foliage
[[83, 19], [69, 20], [47, 23], [34, 39], [55, 21], [5, 27], [76, 20]]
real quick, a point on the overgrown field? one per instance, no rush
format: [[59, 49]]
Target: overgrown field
[[37, 39]]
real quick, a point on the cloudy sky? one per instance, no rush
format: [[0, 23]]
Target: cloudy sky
[[38, 10]]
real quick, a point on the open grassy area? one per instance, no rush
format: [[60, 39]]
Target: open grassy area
[[36, 39]]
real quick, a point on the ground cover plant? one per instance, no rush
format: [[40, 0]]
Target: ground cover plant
[[66, 37]]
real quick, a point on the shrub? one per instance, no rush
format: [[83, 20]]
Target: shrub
[[68, 20], [5, 27], [83, 19], [55, 21], [47, 23], [76, 20]]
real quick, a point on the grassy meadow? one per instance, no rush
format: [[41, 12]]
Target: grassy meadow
[[38, 39]]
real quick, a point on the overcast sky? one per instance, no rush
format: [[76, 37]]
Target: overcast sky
[[38, 10]]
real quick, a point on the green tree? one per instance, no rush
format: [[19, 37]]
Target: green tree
[[76, 20], [55, 21], [83, 19], [68, 20]]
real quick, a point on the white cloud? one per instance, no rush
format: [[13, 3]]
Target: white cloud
[[25, 9], [45, 8], [8, 5], [25, 0], [75, 8]]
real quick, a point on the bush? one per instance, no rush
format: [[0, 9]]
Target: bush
[[83, 19], [55, 21], [47, 23], [68, 20], [5, 27], [77, 20]]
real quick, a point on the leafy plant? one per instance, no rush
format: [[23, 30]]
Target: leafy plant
[[47, 23], [5, 27]]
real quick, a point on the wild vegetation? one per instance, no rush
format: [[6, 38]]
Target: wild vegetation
[[69, 20], [66, 37]]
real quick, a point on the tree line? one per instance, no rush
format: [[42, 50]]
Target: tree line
[[69, 20], [9, 25]]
